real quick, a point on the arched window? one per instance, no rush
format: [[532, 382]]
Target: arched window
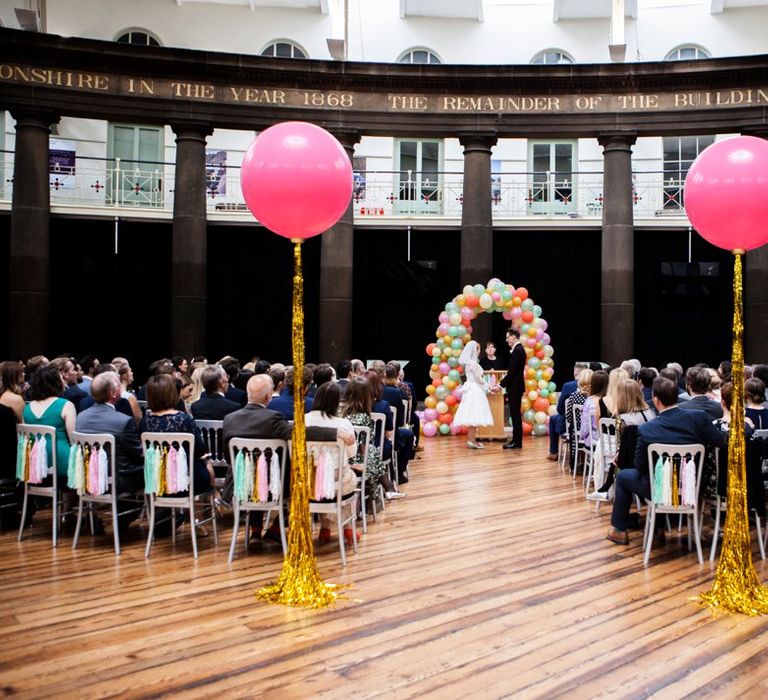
[[551, 57], [687, 53], [140, 37], [419, 56], [284, 49]]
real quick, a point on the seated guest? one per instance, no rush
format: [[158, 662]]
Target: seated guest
[[72, 392], [11, 380], [185, 391], [197, 384], [106, 389], [357, 369], [359, 401], [212, 404], [697, 382], [408, 391], [162, 366], [615, 377], [122, 406], [673, 427], [324, 414], [321, 374], [163, 417], [88, 364], [31, 366], [631, 406], [231, 366], [724, 370], [577, 398], [46, 407], [261, 367], [343, 369], [594, 408], [404, 437], [557, 422], [645, 377], [284, 402], [277, 375], [671, 374], [256, 421], [180, 365], [126, 380], [754, 395]]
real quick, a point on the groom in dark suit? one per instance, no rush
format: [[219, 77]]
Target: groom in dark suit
[[672, 427], [514, 383]]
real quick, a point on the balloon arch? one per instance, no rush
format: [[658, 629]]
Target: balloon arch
[[455, 330]]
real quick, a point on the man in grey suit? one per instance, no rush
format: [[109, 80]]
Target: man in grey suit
[[256, 421], [103, 418]]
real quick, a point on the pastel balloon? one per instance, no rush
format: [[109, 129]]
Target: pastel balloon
[[468, 290], [429, 429], [726, 193], [441, 392], [455, 319], [479, 289], [455, 429], [430, 348], [486, 301], [441, 406], [444, 368], [527, 304], [430, 402], [532, 396], [451, 307], [507, 315], [454, 374], [540, 417], [529, 415], [536, 310], [457, 344], [430, 414], [539, 429], [443, 317], [296, 179], [452, 362], [445, 429], [443, 328], [467, 314]]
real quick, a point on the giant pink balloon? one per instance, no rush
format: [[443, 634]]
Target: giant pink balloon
[[726, 193], [296, 179]]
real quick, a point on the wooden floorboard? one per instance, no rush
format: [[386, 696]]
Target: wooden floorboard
[[492, 579]]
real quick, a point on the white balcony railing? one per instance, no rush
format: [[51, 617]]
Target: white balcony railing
[[112, 184]]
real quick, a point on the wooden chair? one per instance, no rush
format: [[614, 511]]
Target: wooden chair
[[186, 501], [344, 507], [34, 433], [363, 437], [720, 505], [244, 502], [89, 442], [212, 432], [676, 453], [378, 435]]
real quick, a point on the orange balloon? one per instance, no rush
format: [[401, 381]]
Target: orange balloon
[[471, 300], [450, 384], [446, 418], [451, 400], [527, 428], [540, 354], [438, 381], [532, 332], [521, 293], [517, 301], [541, 404], [528, 317]]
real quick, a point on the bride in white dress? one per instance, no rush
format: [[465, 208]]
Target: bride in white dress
[[474, 409]]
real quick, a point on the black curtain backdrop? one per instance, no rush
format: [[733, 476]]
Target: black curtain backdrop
[[250, 287], [561, 271], [397, 301], [110, 304], [685, 319], [119, 304], [5, 255]]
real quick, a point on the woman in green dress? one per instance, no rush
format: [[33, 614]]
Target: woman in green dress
[[46, 407]]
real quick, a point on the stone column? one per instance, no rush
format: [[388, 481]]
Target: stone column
[[476, 219], [336, 256], [756, 290], [189, 243], [617, 301], [29, 277]]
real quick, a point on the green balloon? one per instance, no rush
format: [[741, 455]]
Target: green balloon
[[445, 429]]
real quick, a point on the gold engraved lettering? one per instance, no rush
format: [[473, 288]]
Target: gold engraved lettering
[[84, 80]]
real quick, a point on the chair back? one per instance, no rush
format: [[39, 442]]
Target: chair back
[[212, 432], [576, 410], [255, 483], [161, 451], [91, 469], [363, 437], [406, 412], [607, 430], [328, 458], [143, 405], [379, 431], [31, 438], [675, 475]]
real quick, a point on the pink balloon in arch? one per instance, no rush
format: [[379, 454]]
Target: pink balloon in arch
[[296, 179], [726, 193]]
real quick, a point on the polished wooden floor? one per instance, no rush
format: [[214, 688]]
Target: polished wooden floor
[[492, 579]]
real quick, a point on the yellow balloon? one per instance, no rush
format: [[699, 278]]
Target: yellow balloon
[[430, 401], [431, 389]]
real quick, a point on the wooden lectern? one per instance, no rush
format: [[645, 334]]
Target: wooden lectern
[[495, 431]]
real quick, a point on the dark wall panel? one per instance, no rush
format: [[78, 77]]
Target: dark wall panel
[[106, 303], [396, 302], [250, 286], [5, 255], [685, 319], [561, 271]]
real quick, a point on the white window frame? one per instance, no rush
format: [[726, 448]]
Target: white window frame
[[294, 48], [408, 54]]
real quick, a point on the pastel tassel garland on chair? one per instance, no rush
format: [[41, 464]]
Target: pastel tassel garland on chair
[[274, 476], [182, 470], [689, 482], [170, 471], [21, 458], [262, 479]]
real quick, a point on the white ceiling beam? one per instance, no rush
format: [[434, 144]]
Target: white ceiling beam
[[402, 9], [716, 7], [556, 10], [324, 9], [480, 11]]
